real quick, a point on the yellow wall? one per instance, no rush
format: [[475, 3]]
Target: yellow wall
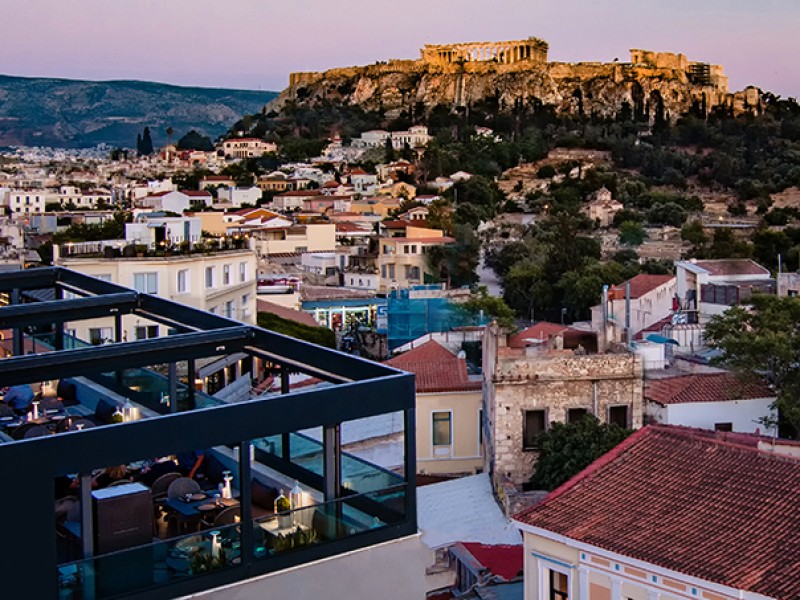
[[464, 456]]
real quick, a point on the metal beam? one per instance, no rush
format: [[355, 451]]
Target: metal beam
[[110, 357], [29, 279], [59, 311]]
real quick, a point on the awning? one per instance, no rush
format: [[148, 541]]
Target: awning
[[660, 339]]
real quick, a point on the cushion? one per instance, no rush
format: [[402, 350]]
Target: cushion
[[263, 495]]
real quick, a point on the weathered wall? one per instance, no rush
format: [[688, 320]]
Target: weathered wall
[[554, 382]]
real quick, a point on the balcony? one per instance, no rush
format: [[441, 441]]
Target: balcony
[[343, 504]]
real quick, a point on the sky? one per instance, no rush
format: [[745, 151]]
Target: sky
[[255, 44]]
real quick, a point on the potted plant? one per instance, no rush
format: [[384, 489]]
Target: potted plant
[[140, 250]]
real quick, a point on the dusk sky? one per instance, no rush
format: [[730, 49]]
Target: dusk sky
[[254, 44]]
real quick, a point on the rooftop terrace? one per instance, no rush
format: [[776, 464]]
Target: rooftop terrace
[[343, 503]]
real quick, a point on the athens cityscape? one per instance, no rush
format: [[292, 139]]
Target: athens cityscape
[[445, 300]]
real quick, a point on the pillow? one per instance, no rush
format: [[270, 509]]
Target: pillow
[[263, 495]]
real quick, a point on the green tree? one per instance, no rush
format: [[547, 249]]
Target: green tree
[[566, 449], [321, 336], [694, 233], [193, 140], [631, 233], [763, 340], [476, 199], [146, 145], [482, 303], [581, 289]]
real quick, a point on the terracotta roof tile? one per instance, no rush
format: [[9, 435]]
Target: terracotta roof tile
[[298, 316], [688, 501], [640, 285], [540, 331], [437, 369], [704, 387]]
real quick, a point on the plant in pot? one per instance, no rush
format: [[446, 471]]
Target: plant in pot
[[282, 507]]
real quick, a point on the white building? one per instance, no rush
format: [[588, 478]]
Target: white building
[[153, 229], [237, 196], [716, 401], [176, 202], [223, 283], [27, 202], [247, 147], [651, 300]]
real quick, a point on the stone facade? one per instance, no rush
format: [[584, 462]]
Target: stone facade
[[520, 380], [530, 50]]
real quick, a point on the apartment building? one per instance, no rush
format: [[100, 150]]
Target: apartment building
[[222, 283]]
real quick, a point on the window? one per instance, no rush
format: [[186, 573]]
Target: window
[[723, 426], [242, 272], [413, 249], [226, 274], [211, 277], [535, 423], [213, 310], [104, 277], [442, 430], [183, 281], [559, 586], [618, 415], [576, 414], [391, 271], [145, 332], [405, 249], [99, 335], [229, 309], [146, 282]]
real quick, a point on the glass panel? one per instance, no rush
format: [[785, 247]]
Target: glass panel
[[144, 567], [321, 522]]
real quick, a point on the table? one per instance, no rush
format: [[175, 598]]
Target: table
[[192, 509]]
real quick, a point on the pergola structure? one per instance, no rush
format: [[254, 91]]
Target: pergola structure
[[361, 388]]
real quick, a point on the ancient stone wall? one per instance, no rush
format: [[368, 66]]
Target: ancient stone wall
[[554, 382], [458, 75]]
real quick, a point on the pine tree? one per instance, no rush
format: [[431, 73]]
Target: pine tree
[[139, 143], [147, 143]]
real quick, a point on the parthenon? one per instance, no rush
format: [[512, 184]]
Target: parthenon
[[529, 50]]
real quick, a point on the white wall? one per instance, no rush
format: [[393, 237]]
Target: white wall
[[743, 414], [390, 571]]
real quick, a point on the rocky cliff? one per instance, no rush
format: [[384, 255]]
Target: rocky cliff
[[654, 85]]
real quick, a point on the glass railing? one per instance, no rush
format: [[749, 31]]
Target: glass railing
[[164, 562], [358, 475], [145, 567], [319, 523]]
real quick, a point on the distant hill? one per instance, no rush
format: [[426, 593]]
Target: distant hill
[[77, 114]]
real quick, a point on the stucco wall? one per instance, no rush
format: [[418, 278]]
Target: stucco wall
[[743, 414], [391, 571], [464, 455]]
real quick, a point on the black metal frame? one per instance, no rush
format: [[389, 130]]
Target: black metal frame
[[30, 466]]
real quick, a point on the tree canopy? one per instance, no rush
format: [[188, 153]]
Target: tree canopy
[[568, 448], [763, 340]]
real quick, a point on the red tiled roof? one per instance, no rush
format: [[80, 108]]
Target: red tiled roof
[[732, 266], [299, 193], [640, 285], [540, 331], [685, 500], [395, 224], [704, 387], [298, 316], [344, 226], [196, 193], [501, 560], [437, 369], [424, 240]]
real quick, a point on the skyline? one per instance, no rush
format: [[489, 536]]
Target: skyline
[[255, 44]]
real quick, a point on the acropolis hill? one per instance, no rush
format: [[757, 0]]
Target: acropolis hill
[[505, 73]]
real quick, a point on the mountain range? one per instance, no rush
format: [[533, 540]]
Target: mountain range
[[80, 114]]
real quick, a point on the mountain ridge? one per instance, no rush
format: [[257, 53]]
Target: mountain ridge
[[75, 113]]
